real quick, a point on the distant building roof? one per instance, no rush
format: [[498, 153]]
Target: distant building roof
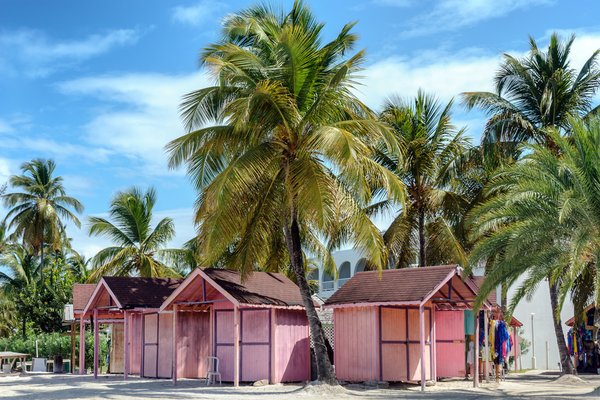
[[406, 285], [81, 295], [132, 292], [492, 297]]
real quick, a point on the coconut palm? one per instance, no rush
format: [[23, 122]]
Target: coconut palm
[[426, 228], [40, 207], [535, 92], [139, 249], [278, 149], [545, 222], [18, 278]]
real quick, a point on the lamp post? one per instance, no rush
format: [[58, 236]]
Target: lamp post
[[533, 360]]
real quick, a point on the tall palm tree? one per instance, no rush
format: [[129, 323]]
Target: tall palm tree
[[538, 91], [19, 274], [425, 229], [278, 149], [40, 206], [139, 249], [545, 222], [535, 95]]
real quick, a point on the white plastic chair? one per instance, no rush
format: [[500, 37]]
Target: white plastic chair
[[213, 371]]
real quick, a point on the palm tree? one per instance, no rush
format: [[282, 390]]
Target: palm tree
[[279, 150], [39, 207], [535, 95], [139, 249], [19, 278], [545, 222], [426, 228], [538, 91]]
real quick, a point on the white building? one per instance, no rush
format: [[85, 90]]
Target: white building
[[351, 261]]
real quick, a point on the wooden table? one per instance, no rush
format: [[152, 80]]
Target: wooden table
[[10, 357]]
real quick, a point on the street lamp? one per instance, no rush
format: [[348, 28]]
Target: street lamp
[[533, 361]]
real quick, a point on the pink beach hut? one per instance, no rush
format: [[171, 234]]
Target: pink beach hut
[[402, 324], [145, 337], [256, 327]]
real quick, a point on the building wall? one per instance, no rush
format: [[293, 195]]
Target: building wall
[[291, 358]]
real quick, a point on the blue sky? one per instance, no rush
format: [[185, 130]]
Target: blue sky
[[95, 85]]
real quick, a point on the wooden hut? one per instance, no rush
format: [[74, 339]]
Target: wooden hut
[[131, 304], [402, 325], [257, 327]]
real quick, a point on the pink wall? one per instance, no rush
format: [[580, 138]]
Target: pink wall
[[356, 344], [450, 337], [193, 344], [291, 347]]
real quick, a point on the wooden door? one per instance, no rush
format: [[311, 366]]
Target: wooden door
[[223, 344], [255, 345], [158, 345], [450, 344], [150, 346]]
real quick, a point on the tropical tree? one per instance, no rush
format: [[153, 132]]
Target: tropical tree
[[279, 150], [139, 249], [39, 207], [18, 281], [535, 95], [545, 222], [426, 228]]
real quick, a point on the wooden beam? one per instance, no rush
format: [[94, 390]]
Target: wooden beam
[[236, 346], [476, 352], [96, 343], [126, 345], [422, 344], [82, 345], [174, 368]]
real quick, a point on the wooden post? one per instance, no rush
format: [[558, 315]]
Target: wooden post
[[96, 343], [422, 344], [236, 346], [126, 345], [433, 345], [486, 360], [515, 344], [73, 325], [274, 374], [82, 345], [476, 352], [174, 372]]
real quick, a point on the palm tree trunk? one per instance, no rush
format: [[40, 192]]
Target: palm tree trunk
[[565, 359], [42, 265], [422, 255], [294, 245]]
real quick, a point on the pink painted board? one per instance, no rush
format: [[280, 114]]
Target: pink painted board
[[356, 343], [291, 346], [450, 337]]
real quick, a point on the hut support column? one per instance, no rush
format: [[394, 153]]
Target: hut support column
[[126, 345], [515, 344], [433, 346], [96, 344], [236, 346], [486, 361], [476, 352], [73, 325], [174, 344], [82, 345], [422, 344]]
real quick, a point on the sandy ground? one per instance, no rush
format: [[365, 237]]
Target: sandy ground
[[517, 386]]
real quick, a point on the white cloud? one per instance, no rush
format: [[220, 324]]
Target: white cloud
[[5, 127], [144, 116], [37, 55], [197, 14], [448, 15]]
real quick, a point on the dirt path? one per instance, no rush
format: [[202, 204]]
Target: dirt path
[[518, 386]]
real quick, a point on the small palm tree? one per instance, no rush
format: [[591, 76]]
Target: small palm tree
[[425, 229], [39, 207], [279, 150], [539, 91], [138, 248]]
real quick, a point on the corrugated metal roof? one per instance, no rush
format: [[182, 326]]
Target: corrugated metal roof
[[392, 286], [132, 292], [258, 288]]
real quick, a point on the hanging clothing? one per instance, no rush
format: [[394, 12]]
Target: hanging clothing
[[469, 322], [501, 337]]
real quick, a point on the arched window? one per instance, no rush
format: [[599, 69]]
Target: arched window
[[344, 273], [313, 275], [360, 265], [327, 282]]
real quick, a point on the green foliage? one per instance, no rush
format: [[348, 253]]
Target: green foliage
[[138, 248]]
